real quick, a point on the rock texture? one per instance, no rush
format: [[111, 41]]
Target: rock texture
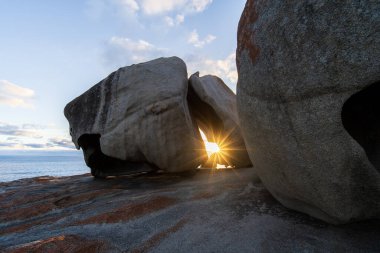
[[214, 108], [211, 211], [308, 99], [137, 119]]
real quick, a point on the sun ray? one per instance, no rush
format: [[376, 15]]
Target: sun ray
[[211, 147], [219, 151]]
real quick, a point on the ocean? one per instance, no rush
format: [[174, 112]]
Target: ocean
[[36, 164]]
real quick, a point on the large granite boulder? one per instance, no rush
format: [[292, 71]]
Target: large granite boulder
[[308, 99], [137, 119], [214, 108]]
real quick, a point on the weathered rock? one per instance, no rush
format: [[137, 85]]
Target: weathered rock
[[137, 119], [308, 99], [213, 105], [212, 211], [145, 117]]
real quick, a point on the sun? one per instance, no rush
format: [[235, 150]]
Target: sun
[[212, 147], [217, 154]]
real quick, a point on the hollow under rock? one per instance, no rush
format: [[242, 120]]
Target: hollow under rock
[[361, 119], [102, 165]]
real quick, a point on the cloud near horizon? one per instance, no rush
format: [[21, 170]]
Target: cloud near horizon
[[19, 131], [61, 142], [51, 144], [15, 96], [31, 136]]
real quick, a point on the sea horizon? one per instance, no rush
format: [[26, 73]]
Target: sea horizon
[[22, 164]]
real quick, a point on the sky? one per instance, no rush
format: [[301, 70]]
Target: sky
[[52, 51]]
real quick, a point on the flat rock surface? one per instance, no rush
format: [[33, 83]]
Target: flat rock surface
[[209, 211]]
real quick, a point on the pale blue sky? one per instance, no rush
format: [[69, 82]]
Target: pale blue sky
[[52, 51]]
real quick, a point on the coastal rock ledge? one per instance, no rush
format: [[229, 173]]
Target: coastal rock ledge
[[211, 211]]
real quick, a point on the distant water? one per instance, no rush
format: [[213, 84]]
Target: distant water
[[13, 167]]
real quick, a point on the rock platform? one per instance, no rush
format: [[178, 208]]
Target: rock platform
[[208, 211]]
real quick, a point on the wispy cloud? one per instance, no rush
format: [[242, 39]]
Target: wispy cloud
[[36, 146], [61, 142], [130, 5], [223, 68], [17, 131], [8, 144], [173, 11], [154, 7], [21, 132], [35, 126], [12, 138], [197, 42], [14, 95], [179, 19], [32, 136], [97, 9], [130, 45], [122, 51], [200, 5]]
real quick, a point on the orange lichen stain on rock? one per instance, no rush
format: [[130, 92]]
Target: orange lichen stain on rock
[[26, 212], [74, 199], [26, 225], [130, 211], [246, 33], [49, 203], [30, 195], [17, 199], [157, 238], [62, 243], [6, 195], [43, 179]]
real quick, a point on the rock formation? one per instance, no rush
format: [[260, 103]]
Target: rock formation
[[308, 99], [137, 119], [214, 107], [145, 117]]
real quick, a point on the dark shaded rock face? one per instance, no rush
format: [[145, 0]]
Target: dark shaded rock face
[[211, 211], [308, 100], [216, 114], [145, 117]]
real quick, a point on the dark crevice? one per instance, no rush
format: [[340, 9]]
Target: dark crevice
[[210, 123], [361, 119], [102, 165], [205, 116]]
